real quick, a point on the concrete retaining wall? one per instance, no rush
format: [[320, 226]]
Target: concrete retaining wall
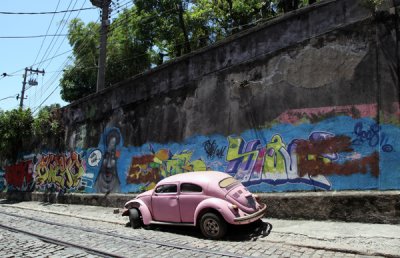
[[305, 102], [364, 206]]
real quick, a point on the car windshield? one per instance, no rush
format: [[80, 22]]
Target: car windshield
[[228, 182]]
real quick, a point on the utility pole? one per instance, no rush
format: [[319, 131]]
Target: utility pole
[[37, 71], [105, 22]]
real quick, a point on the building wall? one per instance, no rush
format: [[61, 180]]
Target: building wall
[[309, 101]]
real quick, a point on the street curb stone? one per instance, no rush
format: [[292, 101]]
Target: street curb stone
[[351, 206]]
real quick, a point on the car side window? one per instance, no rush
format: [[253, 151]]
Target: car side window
[[167, 189], [190, 188]]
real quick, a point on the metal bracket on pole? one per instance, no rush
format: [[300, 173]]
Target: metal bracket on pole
[[37, 71]]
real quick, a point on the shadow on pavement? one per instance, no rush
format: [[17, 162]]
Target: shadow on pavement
[[250, 232], [6, 201]]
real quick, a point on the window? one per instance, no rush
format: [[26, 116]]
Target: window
[[167, 189], [190, 188], [228, 182]]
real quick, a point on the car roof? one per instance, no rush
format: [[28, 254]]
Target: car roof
[[200, 177]]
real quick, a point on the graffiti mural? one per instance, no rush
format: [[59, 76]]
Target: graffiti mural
[[372, 136], [2, 180], [19, 177], [275, 163], [60, 171], [284, 157], [340, 148], [107, 179], [213, 150], [151, 168]]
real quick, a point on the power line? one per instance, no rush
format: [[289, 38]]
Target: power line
[[117, 24], [9, 97], [59, 46], [45, 100], [51, 42], [55, 12], [33, 36], [51, 45], [64, 65], [48, 28]]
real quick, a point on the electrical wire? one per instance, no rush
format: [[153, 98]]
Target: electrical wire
[[33, 36], [136, 56], [50, 49], [51, 42], [55, 12], [64, 65], [9, 97], [147, 18], [48, 28], [65, 37], [36, 109]]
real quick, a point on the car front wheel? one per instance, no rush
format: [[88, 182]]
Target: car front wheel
[[212, 226], [134, 218]]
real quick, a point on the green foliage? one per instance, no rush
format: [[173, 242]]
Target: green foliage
[[20, 132], [128, 49], [372, 4], [47, 125], [154, 31], [79, 79], [15, 132], [127, 55]]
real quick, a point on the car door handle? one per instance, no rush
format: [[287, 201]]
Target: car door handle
[[174, 197]]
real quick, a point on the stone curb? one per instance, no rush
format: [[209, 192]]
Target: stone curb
[[351, 206]]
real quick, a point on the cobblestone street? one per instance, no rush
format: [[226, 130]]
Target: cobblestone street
[[100, 229]]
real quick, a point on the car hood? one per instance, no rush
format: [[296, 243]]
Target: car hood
[[245, 200], [147, 193]]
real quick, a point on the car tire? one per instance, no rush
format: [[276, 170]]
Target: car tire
[[134, 218], [212, 226]]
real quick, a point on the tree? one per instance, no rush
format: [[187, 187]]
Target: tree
[[227, 17], [128, 49], [15, 133], [153, 31], [48, 129], [79, 79], [128, 55]]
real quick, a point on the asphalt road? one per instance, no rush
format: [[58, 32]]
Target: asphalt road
[[34, 229]]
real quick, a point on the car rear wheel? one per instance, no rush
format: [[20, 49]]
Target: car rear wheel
[[134, 218], [213, 226]]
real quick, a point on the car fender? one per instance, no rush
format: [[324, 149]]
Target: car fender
[[144, 210], [220, 205]]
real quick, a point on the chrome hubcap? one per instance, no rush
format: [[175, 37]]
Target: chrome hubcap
[[211, 226]]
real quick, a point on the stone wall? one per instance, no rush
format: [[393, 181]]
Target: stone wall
[[305, 102], [355, 206]]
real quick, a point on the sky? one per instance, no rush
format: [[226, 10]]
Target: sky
[[18, 53]]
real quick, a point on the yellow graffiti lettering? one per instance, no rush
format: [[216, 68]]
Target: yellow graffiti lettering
[[63, 171], [274, 160]]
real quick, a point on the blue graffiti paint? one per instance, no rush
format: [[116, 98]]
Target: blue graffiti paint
[[2, 180], [371, 136], [258, 145]]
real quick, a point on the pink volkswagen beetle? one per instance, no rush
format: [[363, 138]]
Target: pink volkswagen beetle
[[209, 200]]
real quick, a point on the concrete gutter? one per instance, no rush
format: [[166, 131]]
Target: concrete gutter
[[351, 206]]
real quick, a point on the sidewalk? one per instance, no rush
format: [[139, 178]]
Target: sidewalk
[[358, 238]]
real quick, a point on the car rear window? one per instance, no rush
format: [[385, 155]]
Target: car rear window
[[190, 188], [227, 182]]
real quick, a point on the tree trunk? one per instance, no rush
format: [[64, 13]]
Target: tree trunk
[[183, 28]]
